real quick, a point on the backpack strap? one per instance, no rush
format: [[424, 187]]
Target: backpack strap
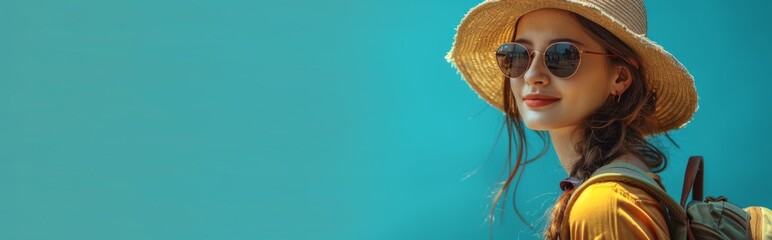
[[693, 178], [630, 174], [693, 182]]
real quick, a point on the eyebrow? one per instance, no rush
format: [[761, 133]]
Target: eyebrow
[[528, 42]]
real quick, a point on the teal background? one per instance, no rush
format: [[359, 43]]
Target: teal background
[[310, 119]]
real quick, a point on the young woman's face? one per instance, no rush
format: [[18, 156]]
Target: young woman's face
[[580, 94]]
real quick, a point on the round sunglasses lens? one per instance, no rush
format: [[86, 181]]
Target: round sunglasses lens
[[512, 59], [562, 59]]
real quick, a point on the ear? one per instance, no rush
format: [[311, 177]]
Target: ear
[[623, 77]]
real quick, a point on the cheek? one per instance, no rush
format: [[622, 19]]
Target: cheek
[[585, 100], [589, 92], [516, 87]]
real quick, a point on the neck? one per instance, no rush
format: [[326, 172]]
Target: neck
[[564, 140]]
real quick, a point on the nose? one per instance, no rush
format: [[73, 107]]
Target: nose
[[537, 73]]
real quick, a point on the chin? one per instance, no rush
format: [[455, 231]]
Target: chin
[[537, 125], [547, 125], [544, 123]]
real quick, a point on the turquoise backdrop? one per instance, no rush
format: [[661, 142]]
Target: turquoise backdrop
[[332, 119]]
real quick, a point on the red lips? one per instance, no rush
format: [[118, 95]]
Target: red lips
[[535, 100]]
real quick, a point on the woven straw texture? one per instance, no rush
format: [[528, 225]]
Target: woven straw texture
[[491, 23]]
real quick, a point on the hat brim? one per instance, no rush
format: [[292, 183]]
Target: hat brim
[[491, 23]]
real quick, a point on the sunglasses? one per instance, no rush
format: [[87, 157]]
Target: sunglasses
[[561, 58]]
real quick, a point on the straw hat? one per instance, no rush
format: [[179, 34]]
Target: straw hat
[[491, 23]]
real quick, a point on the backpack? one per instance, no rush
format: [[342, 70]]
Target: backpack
[[711, 218]]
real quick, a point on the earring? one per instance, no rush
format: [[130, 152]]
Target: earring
[[619, 95]]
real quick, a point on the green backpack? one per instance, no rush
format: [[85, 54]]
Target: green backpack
[[712, 218]]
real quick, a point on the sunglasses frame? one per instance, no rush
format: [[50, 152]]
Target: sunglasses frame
[[543, 53]]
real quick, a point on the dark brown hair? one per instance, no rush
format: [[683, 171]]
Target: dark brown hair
[[615, 129]]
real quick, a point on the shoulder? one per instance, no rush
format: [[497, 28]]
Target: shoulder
[[616, 210]]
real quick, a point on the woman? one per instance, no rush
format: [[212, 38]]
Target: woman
[[584, 72]]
